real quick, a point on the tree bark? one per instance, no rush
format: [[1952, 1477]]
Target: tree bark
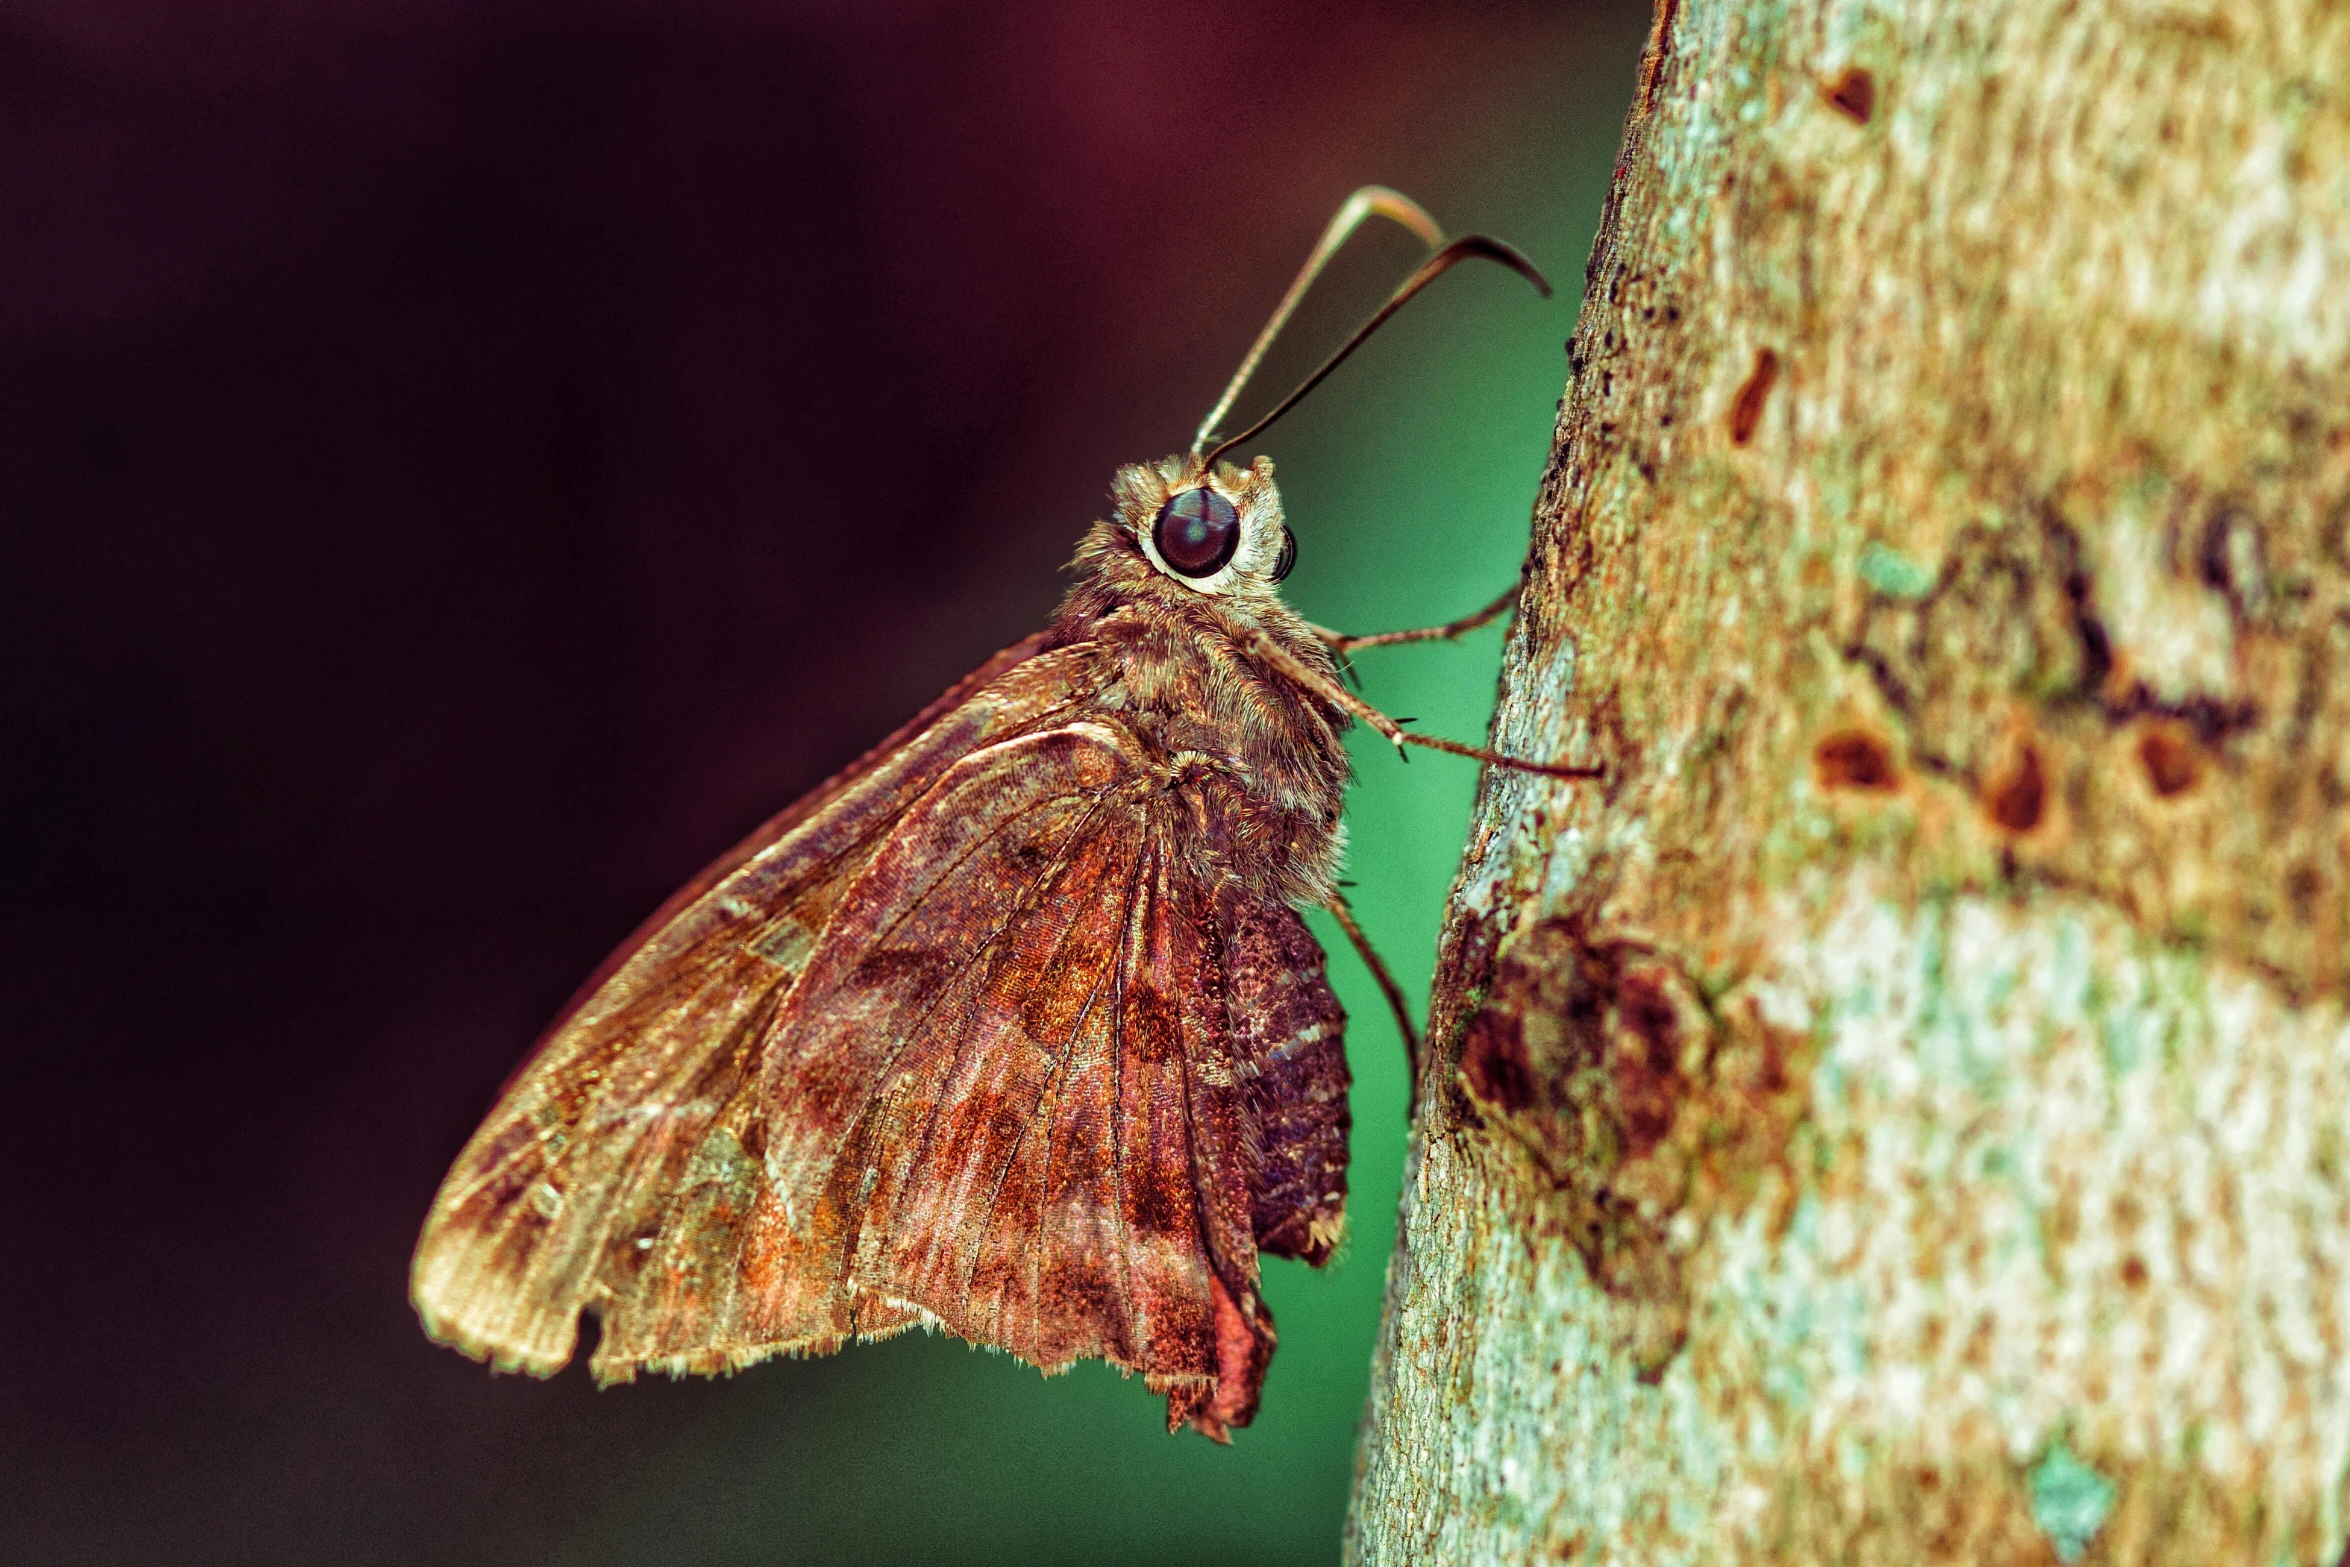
[[1902, 1113]]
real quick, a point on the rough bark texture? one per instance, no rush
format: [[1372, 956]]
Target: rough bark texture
[[1904, 1113]]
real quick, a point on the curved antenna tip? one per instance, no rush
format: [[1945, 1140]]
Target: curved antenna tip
[[1393, 205], [1365, 203], [1508, 255], [1434, 267]]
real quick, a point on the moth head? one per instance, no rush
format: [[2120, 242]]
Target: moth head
[[1217, 529], [1213, 530]]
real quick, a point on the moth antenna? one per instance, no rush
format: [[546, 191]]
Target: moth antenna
[[1434, 267], [1372, 201]]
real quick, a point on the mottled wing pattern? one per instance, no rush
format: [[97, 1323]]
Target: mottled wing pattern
[[987, 1049], [1003, 1100], [551, 1205]]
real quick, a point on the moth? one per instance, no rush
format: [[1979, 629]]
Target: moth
[[1011, 1029]]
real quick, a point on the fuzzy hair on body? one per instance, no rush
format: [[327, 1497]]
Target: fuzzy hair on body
[[1178, 668]]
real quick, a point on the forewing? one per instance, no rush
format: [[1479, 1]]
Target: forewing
[[617, 1129], [743, 1262], [1004, 1094]]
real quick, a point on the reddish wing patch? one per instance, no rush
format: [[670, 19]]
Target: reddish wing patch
[[1013, 1036]]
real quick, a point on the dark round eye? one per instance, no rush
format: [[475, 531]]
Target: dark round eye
[[1197, 532], [1288, 556]]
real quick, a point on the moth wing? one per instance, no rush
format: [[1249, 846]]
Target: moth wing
[[1002, 1099], [1290, 1032], [553, 1203]]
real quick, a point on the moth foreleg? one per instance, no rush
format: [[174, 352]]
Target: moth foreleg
[[1342, 645], [1392, 729]]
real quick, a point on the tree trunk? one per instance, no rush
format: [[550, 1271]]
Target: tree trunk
[[1902, 1112]]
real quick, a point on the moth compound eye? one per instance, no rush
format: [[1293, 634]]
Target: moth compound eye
[[1197, 532], [1288, 556]]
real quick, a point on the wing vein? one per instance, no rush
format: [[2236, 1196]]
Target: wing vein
[[1049, 1090], [1133, 942], [1030, 898]]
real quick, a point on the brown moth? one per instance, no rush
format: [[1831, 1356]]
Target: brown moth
[[1011, 1029]]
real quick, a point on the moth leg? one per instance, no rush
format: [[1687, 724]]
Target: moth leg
[[1338, 696], [1394, 992], [1344, 645]]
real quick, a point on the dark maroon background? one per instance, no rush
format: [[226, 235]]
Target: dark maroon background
[[461, 464]]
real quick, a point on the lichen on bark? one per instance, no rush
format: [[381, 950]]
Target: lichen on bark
[[1899, 1113]]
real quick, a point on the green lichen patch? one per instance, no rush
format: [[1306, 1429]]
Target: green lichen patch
[[2070, 1501], [1892, 573]]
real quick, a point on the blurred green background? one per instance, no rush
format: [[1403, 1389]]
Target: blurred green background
[[469, 462]]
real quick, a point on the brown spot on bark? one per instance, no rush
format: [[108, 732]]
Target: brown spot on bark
[[2017, 795], [2302, 885], [1493, 1060], [1649, 1086], [1746, 410], [1854, 93], [2232, 559], [2170, 762], [2134, 1271], [1638, 1101], [1853, 759]]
